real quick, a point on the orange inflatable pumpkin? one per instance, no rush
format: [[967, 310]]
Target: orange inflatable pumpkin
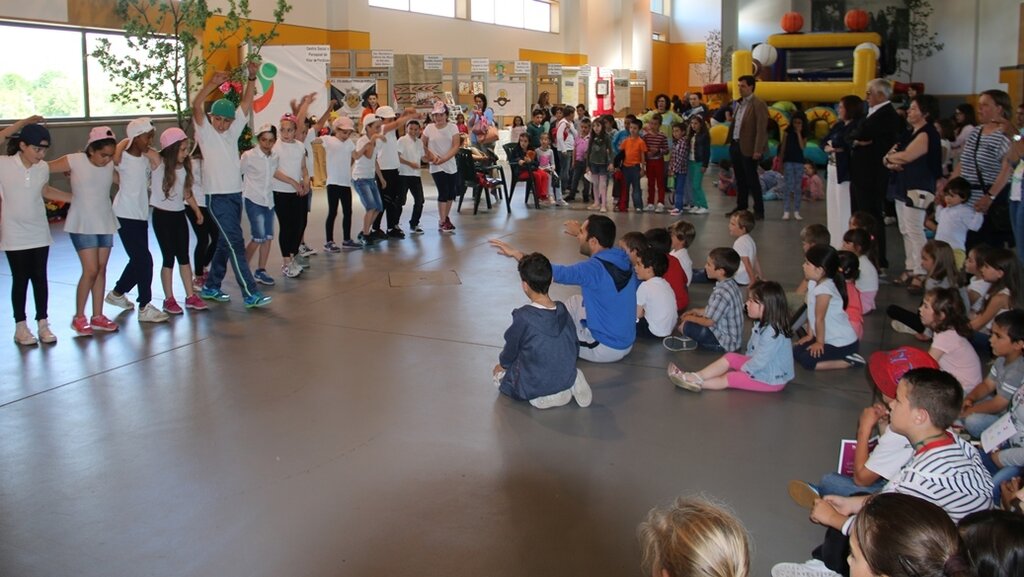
[[792, 22], [856, 20]]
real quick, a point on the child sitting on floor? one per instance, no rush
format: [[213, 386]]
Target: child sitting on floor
[[726, 180], [719, 326], [656, 314], [831, 342], [812, 185], [858, 241], [538, 362], [767, 366], [660, 240], [683, 233]]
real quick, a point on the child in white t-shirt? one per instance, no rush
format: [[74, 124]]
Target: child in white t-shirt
[[740, 226], [831, 342], [858, 241], [410, 156], [363, 172], [655, 300], [259, 165], [338, 148]]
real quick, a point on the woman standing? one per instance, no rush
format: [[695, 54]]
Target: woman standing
[[963, 121], [481, 120], [916, 164], [837, 145]]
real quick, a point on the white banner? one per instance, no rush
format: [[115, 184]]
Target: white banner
[[554, 69], [522, 67], [479, 65], [382, 58], [351, 94], [289, 73], [507, 98]]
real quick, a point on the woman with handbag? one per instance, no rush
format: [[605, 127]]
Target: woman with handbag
[[982, 165], [915, 164]]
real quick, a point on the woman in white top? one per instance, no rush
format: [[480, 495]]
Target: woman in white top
[[24, 230], [291, 186], [91, 224], [170, 190], [440, 144]]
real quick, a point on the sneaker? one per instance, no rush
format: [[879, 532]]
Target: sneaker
[[294, 269], [102, 323], [378, 234], [551, 401], [674, 212], [212, 294], [581, 390], [803, 494], [785, 216], [699, 210], [796, 216], [396, 232], [448, 223], [23, 336], [902, 328], [257, 300], [117, 300], [46, 336], [689, 381], [151, 314], [81, 326], [198, 282], [302, 261], [306, 250], [447, 228], [415, 229], [561, 203], [195, 303], [649, 207], [262, 277], [604, 209], [172, 307], [679, 344], [331, 247], [351, 245], [367, 240], [660, 208], [638, 209], [812, 568], [855, 360]]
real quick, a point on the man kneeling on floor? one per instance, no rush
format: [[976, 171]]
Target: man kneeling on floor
[[605, 314], [538, 363]]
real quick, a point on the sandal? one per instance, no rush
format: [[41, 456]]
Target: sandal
[[903, 279], [690, 381], [916, 285]]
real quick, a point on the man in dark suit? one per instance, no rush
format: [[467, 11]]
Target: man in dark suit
[[748, 139], [869, 178]]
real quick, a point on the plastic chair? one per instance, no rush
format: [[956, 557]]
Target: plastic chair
[[514, 179]]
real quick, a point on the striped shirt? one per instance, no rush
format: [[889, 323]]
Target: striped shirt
[[950, 474], [989, 150], [657, 145]]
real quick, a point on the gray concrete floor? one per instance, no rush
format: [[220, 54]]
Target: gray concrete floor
[[351, 428]]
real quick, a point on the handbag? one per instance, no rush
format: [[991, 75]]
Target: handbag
[[998, 212], [918, 198]]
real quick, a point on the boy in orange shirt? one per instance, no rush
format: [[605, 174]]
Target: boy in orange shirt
[[634, 150]]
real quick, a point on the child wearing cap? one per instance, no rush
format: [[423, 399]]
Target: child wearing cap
[[410, 151], [134, 160], [441, 143], [91, 223], [170, 191], [259, 165], [338, 148], [290, 185], [363, 170], [222, 182], [388, 161], [24, 230]]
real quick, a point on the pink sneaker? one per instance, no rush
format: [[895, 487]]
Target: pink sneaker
[[195, 303], [171, 306], [102, 323], [198, 282], [81, 326]]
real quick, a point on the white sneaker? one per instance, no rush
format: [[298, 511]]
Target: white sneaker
[[660, 208], [45, 334], [812, 568], [561, 203], [785, 216], [23, 336], [558, 399], [902, 328], [581, 390], [306, 250], [796, 216], [294, 269], [151, 314], [117, 300], [649, 208], [699, 210]]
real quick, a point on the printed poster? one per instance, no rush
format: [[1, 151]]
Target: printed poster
[[288, 73]]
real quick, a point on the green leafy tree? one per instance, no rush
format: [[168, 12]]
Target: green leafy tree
[[168, 56]]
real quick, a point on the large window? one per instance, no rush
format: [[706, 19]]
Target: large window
[[528, 14], [434, 7], [61, 83]]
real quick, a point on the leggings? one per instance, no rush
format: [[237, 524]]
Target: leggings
[[291, 213], [28, 265], [139, 270], [414, 186], [907, 317], [171, 230], [392, 197], [740, 380], [206, 239], [336, 193]]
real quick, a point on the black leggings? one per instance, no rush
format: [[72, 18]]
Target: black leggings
[[206, 239], [413, 185], [139, 270], [291, 215], [171, 230], [28, 265], [335, 193], [909, 318], [391, 196]]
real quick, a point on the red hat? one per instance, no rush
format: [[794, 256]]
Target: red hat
[[888, 367]]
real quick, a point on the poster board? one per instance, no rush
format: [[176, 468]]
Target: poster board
[[289, 73]]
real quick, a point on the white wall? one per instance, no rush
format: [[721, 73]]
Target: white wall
[[48, 10], [693, 19], [759, 19]]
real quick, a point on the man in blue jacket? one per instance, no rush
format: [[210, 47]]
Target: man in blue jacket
[[605, 314]]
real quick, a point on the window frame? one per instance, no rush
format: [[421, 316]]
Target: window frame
[[551, 27]]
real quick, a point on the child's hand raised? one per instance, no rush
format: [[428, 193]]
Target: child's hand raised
[[505, 249]]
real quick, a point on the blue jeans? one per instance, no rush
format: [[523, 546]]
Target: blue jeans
[[631, 174], [680, 190], [226, 211], [976, 423], [1017, 223], [999, 475], [139, 270], [368, 193], [793, 172], [704, 337], [836, 484]]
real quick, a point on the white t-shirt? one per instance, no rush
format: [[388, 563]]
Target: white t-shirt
[[132, 200], [23, 223], [222, 172], [174, 199], [387, 151], [838, 330], [745, 247], [291, 157], [868, 279], [308, 144], [364, 167], [412, 151], [339, 160], [683, 256], [978, 286], [197, 181], [91, 212], [891, 453], [439, 141], [658, 300], [259, 169]]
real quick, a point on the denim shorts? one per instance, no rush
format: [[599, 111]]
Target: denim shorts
[[261, 221], [84, 241], [368, 193]]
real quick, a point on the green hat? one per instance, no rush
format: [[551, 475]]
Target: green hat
[[224, 108]]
